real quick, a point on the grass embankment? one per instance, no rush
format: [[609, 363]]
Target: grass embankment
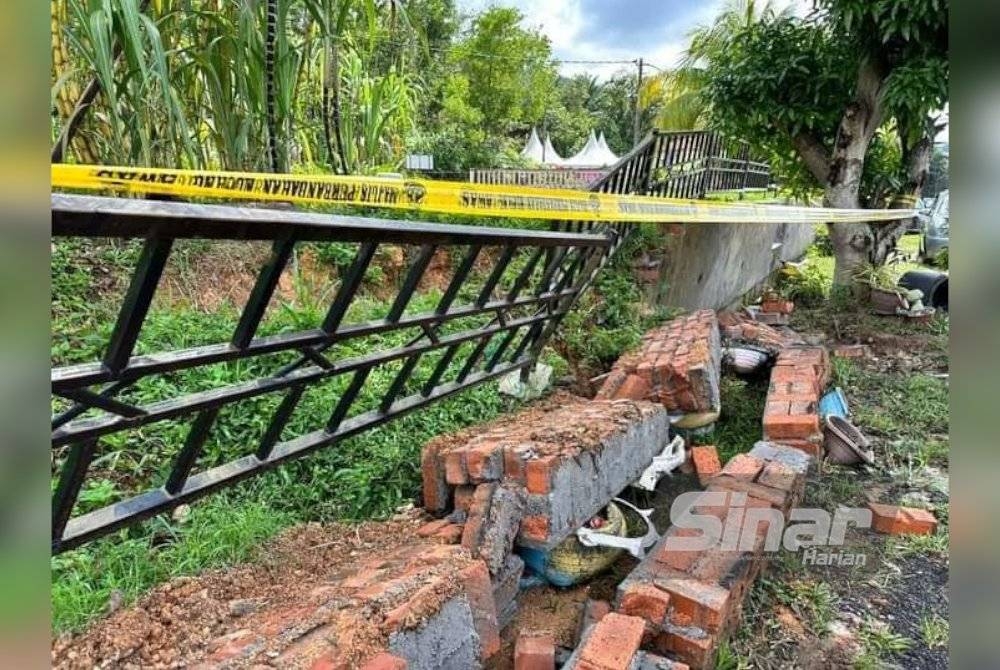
[[368, 476]]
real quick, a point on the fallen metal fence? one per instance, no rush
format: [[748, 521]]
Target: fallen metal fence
[[486, 324]]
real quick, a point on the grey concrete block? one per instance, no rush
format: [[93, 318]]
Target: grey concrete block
[[501, 527], [506, 583], [583, 485], [447, 641], [794, 459]]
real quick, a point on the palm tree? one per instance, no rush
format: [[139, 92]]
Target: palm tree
[[676, 93]]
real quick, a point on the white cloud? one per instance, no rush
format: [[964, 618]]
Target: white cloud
[[654, 30], [618, 30]]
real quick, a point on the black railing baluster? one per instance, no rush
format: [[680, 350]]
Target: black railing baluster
[[263, 289], [474, 357], [524, 276], [413, 277], [71, 478], [137, 301], [349, 287], [278, 421], [461, 274], [399, 382], [495, 275], [189, 452], [346, 400], [439, 369]]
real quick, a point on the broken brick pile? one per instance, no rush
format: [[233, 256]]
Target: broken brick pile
[[614, 643], [677, 365], [421, 606], [791, 415], [536, 477], [532, 479], [690, 600], [739, 328]]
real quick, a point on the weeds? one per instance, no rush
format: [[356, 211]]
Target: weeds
[[739, 424], [934, 631], [879, 642]]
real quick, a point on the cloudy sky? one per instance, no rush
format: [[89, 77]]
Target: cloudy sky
[[620, 30]]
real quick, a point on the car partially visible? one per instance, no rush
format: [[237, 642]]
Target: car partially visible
[[935, 229]]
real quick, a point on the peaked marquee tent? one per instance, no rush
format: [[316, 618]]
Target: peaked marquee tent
[[594, 154]]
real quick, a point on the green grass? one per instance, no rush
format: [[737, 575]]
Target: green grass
[[879, 642], [739, 424], [934, 631]]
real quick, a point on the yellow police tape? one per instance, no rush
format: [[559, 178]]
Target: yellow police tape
[[446, 197]]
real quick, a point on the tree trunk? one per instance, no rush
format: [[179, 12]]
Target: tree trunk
[[853, 242], [918, 162]]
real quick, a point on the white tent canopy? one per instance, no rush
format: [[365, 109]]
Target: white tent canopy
[[533, 150], [551, 157], [589, 156], [595, 153], [608, 154]]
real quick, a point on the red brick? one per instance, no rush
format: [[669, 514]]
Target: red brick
[[385, 661], [895, 520], [463, 497], [694, 603], [689, 647], [432, 527], [477, 458], [706, 462], [513, 465], [796, 426], [472, 533], [450, 534], [634, 387], [434, 487], [535, 527], [743, 466], [850, 350], [454, 467], [479, 591], [775, 406], [535, 650], [612, 643], [645, 601], [778, 306], [679, 559], [811, 446], [538, 474], [594, 611], [425, 602], [611, 384], [779, 476]]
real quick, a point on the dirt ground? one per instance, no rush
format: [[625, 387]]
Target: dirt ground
[[175, 622]]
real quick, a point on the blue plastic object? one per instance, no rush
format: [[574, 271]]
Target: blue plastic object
[[834, 403]]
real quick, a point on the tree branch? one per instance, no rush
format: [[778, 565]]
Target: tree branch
[[814, 154]]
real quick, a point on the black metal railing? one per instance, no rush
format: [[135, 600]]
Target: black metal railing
[[486, 323], [685, 164]]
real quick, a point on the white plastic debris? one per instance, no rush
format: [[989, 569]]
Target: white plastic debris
[[538, 380]]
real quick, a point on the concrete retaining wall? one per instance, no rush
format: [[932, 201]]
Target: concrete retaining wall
[[713, 265]]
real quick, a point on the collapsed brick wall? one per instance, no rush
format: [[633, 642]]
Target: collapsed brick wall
[[690, 600], [533, 478], [422, 607], [791, 413], [536, 478], [677, 365]]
